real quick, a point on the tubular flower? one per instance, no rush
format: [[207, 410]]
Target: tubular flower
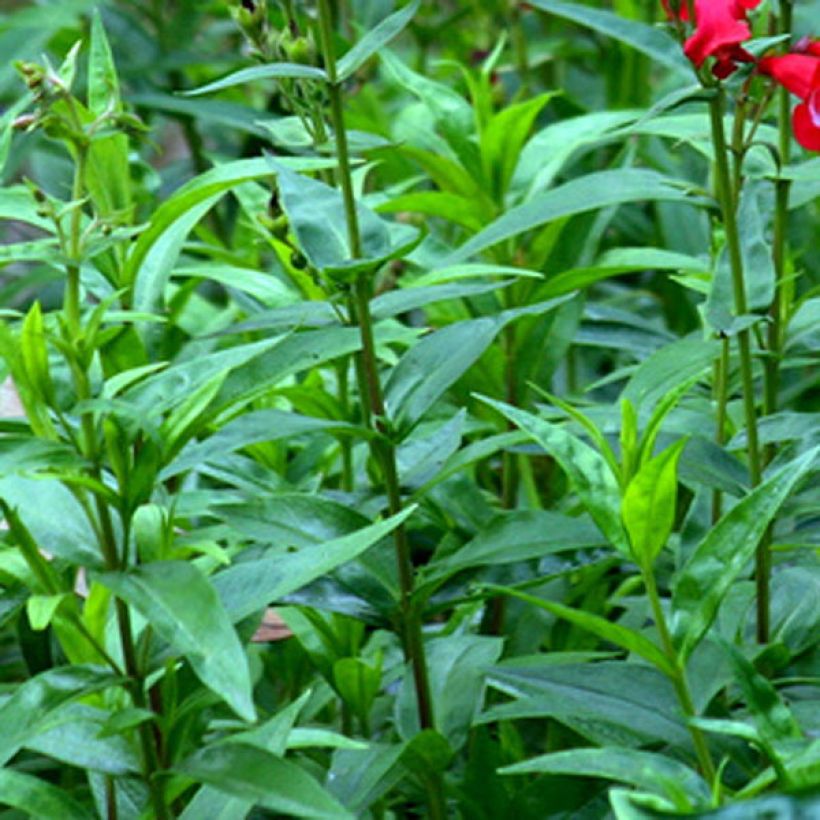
[[799, 72], [720, 28]]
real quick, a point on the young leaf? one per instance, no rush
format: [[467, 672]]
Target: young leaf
[[183, 608], [648, 508]]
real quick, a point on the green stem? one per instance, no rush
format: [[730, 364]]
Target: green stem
[[383, 449], [721, 395], [783, 294], [522, 58], [679, 680], [727, 201], [107, 540]]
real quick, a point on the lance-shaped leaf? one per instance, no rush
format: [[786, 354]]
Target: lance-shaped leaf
[[316, 214], [622, 636], [587, 193], [38, 798], [184, 609], [266, 779], [249, 586], [649, 504], [645, 770], [377, 37], [587, 469], [271, 71], [722, 555]]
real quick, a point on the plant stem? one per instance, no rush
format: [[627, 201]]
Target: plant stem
[[721, 395], [90, 449], [728, 207], [783, 292], [679, 680], [383, 449]]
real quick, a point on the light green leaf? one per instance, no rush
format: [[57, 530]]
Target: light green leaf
[[649, 504]]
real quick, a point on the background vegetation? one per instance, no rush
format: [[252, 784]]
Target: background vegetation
[[410, 410]]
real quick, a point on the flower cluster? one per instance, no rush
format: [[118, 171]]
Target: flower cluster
[[721, 28]]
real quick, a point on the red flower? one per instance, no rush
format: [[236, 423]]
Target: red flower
[[720, 28], [800, 74]]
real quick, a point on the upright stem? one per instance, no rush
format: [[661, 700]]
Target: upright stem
[[90, 449], [783, 290], [679, 680], [383, 448], [721, 394], [728, 208]]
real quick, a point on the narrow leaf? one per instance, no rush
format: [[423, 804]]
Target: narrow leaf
[[183, 608]]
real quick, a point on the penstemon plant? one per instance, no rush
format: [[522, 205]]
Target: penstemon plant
[[409, 409]]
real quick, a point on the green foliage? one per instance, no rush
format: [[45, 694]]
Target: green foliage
[[406, 409]]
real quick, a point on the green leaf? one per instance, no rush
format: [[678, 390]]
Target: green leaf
[[73, 737], [644, 770], [38, 798], [588, 471], [587, 193], [610, 631], [251, 428], [724, 553], [519, 535], [377, 37], [358, 778], [265, 779], [316, 214], [503, 138], [608, 702], [34, 354], [41, 609], [440, 358], [457, 666], [249, 586], [649, 503], [774, 720], [271, 71], [103, 83], [32, 705], [156, 250], [659, 375], [647, 39], [357, 683], [183, 608]]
